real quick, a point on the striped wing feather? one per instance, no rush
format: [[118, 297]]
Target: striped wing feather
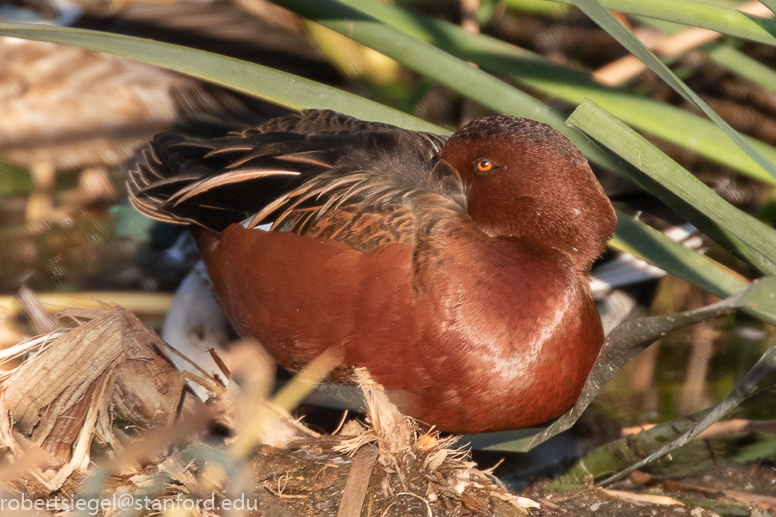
[[315, 173]]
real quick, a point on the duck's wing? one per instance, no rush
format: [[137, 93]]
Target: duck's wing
[[315, 173]]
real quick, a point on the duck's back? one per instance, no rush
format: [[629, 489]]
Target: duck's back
[[292, 171]]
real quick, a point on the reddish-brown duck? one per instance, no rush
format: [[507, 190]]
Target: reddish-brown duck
[[454, 270]]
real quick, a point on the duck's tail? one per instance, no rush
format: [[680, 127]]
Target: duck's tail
[[213, 183], [166, 170], [315, 173]]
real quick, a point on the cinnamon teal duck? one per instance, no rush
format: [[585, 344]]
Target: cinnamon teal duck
[[455, 270]]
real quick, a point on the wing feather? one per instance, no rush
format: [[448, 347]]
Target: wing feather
[[315, 173]]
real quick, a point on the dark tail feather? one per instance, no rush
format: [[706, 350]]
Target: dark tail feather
[[291, 168], [218, 182], [169, 166]]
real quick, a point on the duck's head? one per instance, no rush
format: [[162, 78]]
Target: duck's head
[[525, 180]]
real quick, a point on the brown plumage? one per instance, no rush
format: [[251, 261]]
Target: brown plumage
[[454, 271]]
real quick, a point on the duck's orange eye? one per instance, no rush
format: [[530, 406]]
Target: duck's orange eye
[[484, 165]]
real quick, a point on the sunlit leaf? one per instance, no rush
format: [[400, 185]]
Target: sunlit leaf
[[743, 65], [618, 31], [698, 14], [680, 190], [653, 246]]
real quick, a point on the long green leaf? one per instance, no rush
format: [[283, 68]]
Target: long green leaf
[[680, 190], [760, 377], [743, 65], [545, 7], [618, 31], [279, 87], [536, 72], [697, 14], [438, 65], [626, 451], [648, 244], [673, 125]]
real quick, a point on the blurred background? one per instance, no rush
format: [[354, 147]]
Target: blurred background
[[70, 119]]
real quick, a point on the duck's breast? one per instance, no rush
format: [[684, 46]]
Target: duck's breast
[[515, 333]]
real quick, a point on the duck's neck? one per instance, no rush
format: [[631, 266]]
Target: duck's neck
[[562, 247]]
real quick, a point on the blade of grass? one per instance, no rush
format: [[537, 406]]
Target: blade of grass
[[544, 7], [279, 87], [727, 55], [621, 453], [432, 62], [680, 190], [289, 396], [685, 129], [536, 72], [743, 65], [697, 14], [648, 244], [757, 379], [617, 30]]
